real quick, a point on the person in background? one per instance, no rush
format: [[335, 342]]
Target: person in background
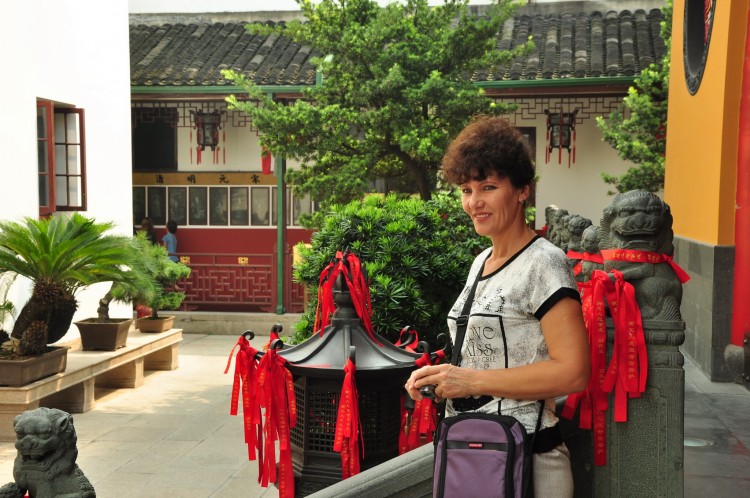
[[148, 226], [525, 339], [170, 240]]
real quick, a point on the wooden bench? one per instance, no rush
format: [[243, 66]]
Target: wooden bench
[[74, 389]]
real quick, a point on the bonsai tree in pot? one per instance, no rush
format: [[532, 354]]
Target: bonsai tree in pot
[[138, 287], [166, 296], [60, 256]]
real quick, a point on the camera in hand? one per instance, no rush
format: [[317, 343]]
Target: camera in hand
[[428, 391]]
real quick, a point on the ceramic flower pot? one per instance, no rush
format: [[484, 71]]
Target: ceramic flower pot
[[161, 324], [107, 336], [15, 373]]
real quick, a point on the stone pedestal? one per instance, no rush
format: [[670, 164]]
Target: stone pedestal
[[645, 455]]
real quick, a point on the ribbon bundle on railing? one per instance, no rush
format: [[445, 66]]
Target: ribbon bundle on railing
[[347, 437], [245, 377], [348, 266], [628, 369], [276, 391], [418, 427], [593, 400]]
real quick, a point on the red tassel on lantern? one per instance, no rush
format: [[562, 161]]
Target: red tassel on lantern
[[347, 437], [265, 161]]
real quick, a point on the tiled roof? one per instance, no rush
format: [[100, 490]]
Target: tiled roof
[[568, 45]]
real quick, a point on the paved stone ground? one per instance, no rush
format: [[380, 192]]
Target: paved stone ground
[[174, 437]]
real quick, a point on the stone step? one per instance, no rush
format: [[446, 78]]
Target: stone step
[[225, 323]]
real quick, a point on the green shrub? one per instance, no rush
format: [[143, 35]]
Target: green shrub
[[416, 253]]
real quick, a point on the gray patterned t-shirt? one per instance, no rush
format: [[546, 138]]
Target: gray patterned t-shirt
[[508, 305]]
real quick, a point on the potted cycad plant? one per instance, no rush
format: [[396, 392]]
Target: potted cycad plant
[[139, 287], [60, 256], [166, 273]]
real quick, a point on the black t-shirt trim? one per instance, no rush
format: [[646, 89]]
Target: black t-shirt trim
[[510, 260], [556, 297]]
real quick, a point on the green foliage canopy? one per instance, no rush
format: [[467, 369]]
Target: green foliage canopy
[[417, 255], [396, 89]]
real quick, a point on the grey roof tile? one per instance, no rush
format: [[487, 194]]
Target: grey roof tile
[[568, 45]]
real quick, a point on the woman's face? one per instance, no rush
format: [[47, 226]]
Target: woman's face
[[493, 204]]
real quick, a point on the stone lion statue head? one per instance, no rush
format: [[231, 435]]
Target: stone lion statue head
[[637, 220], [576, 226], [590, 239], [46, 443]]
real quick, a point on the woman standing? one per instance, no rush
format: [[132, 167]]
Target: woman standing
[[526, 311]]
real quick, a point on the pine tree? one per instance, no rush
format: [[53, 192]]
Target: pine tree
[[397, 87]]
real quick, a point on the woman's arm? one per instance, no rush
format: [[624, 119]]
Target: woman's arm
[[566, 371]]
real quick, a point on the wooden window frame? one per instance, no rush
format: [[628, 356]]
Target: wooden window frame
[[51, 174]]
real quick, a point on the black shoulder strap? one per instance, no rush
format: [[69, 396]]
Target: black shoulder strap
[[463, 320], [461, 323]]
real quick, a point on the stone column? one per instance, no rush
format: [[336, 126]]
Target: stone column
[[645, 455]]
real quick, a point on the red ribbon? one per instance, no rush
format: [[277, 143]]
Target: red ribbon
[[245, 376], [593, 400], [635, 256], [276, 389], [349, 267], [347, 437], [405, 335], [593, 257], [423, 423], [628, 369]]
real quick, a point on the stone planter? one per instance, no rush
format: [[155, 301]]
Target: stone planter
[[15, 373], [149, 325], [107, 336]]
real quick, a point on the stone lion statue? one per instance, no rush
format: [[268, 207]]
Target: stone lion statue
[[576, 226], [45, 466], [640, 220], [556, 228], [590, 245]]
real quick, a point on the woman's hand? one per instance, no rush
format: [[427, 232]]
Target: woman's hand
[[449, 381]]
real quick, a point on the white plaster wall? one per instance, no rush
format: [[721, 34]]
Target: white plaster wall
[[578, 188], [73, 52]]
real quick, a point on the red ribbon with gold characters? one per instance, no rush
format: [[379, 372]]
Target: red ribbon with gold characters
[[627, 372], [584, 256], [347, 437], [634, 256], [276, 389], [593, 400], [628, 369], [245, 375]]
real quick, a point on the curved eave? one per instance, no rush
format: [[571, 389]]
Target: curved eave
[[601, 85]]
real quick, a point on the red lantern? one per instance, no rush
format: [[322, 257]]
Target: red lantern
[[561, 134], [207, 125]]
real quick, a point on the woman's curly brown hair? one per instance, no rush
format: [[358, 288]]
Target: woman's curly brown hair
[[489, 145]]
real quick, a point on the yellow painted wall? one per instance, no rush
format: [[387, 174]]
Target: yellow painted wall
[[702, 133]]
